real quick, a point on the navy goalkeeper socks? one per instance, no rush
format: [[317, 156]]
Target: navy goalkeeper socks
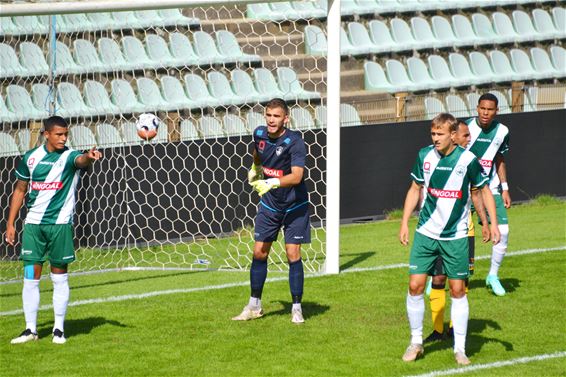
[[258, 274], [296, 280]]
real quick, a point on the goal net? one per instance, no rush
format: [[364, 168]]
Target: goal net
[[180, 201]]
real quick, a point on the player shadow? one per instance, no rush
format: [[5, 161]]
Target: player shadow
[[510, 284], [474, 339], [360, 257], [310, 309], [75, 327]]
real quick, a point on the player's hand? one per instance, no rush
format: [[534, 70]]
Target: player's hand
[[495, 235], [404, 235], [255, 173], [262, 186], [10, 235], [485, 233], [93, 154], [506, 198]]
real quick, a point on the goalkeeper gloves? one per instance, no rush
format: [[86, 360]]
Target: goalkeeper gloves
[[262, 186], [255, 173]]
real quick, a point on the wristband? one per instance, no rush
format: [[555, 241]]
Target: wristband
[[504, 186]]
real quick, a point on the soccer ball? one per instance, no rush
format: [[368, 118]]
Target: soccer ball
[[147, 126]]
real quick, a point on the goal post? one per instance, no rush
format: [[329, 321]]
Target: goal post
[[180, 201]]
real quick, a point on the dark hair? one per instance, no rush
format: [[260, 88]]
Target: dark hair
[[278, 102], [53, 121], [443, 118], [488, 97], [460, 122]]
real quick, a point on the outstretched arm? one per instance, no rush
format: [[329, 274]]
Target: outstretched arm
[[18, 196], [87, 158], [411, 202]]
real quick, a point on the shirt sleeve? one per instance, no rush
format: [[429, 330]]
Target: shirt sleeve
[[22, 171], [504, 147], [477, 176], [71, 160], [298, 153], [417, 173]]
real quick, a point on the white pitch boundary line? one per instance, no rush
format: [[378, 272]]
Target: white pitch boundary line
[[497, 364], [245, 283]]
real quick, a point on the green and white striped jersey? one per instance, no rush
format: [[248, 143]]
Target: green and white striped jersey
[[446, 181], [485, 144], [53, 179]]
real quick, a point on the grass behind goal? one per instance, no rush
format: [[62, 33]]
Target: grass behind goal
[[355, 322]]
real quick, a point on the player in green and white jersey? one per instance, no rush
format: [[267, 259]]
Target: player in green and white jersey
[[490, 142], [49, 176], [447, 173]]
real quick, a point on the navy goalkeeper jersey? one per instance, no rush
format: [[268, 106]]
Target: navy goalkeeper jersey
[[277, 156]]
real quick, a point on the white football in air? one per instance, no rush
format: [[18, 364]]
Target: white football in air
[[147, 126]]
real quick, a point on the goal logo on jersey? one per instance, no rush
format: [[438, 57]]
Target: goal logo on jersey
[[43, 186], [450, 194], [486, 163]]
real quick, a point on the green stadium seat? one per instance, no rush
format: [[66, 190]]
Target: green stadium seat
[[559, 17], [188, 130], [87, 57], [111, 55], [101, 20], [262, 11], [460, 68], [108, 136], [558, 58], [8, 146], [21, 104], [502, 66], [206, 49], [150, 95], [243, 87], [308, 9], [197, 91], [266, 84], [544, 25], [5, 114], [29, 25], [234, 125], [464, 31], [525, 27], [349, 116], [174, 17], [482, 68], [158, 51], [78, 22], [522, 64], [346, 47], [254, 120], [484, 29], [229, 48], [443, 32], [220, 88], [285, 7], [402, 35], [433, 107], [542, 63], [375, 79], [381, 37], [174, 93], [210, 127], [291, 86], [23, 138], [503, 26], [135, 54], [8, 27], [97, 97], [81, 137], [71, 100], [33, 60], [418, 73], [456, 106], [9, 62], [440, 72], [130, 134], [315, 41], [148, 18], [64, 60], [398, 77], [360, 39], [503, 105], [182, 49], [125, 98], [424, 35], [301, 119]]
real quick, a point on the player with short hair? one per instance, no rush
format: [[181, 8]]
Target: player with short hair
[[446, 172], [490, 142], [437, 283], [51, 173], [277, 174]]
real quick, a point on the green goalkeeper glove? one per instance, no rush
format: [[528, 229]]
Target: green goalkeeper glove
[[262, 186], [255, 173]]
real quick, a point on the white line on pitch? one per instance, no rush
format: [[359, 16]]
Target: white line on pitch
[[244, 283], [497, 364]]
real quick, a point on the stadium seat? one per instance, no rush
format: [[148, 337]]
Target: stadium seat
[[301, 118], [87, 57], [541, 62], [284, 7], [402, 35], [484, 29], [387, 6], [559, 17], [315, 41], [162, 134], [398, 76], [308, 10], [460, 68], [440, 72], [197, 91], [544, 24], [29, 25], [527, 105], [482, 69], [33, 60], [23, 138], [229, 48], [349, 116], [320, 115], [127, 20], [41, 97], [9, 62], [182, 49], [234, 125], [188, 130], [266, 84], [174, 93], [130, 134], [124, 97], [77, 22], [456, 106], [375, 79], [158, 51], [20, 103], [472, 99], [174, 17], [243, 87], [150, 95], [418, 73], [206, 49], [97, 97], [525, 28], [72, 101], [346, 47], [503, 104], [262, 11], [521, 63], [558, 57], [5, 114], [291, 86], [433, 107], [210, 127], [381, 37], [502, 66], [135, 54], [8, 146], [81, 137], [8, 27], [219, 87], [424, 35], [108, 136], [464, 31], [360, 39], [442, 30], [148, 18], [111, 55], [503, 26], [254, 119], [64, 60], [101, 20]]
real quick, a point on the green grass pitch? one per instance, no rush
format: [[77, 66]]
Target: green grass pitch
[[355, 322]]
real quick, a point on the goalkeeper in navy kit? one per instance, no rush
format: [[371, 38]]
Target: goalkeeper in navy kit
[[277, 176]]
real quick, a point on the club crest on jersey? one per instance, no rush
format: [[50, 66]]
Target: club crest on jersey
[[31, 161], [460, 170], [497, 141], [279, 150], [261, 145]]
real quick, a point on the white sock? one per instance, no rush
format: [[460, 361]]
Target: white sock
[[60, 299], [30, 298], [498, 251], [459, 314], [298, 307], [415, 312], [255, 302]]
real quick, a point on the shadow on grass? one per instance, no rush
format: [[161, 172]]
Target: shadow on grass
[[310, 309], [474, 339], [359, 257], [75, 327], [510, 284]]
